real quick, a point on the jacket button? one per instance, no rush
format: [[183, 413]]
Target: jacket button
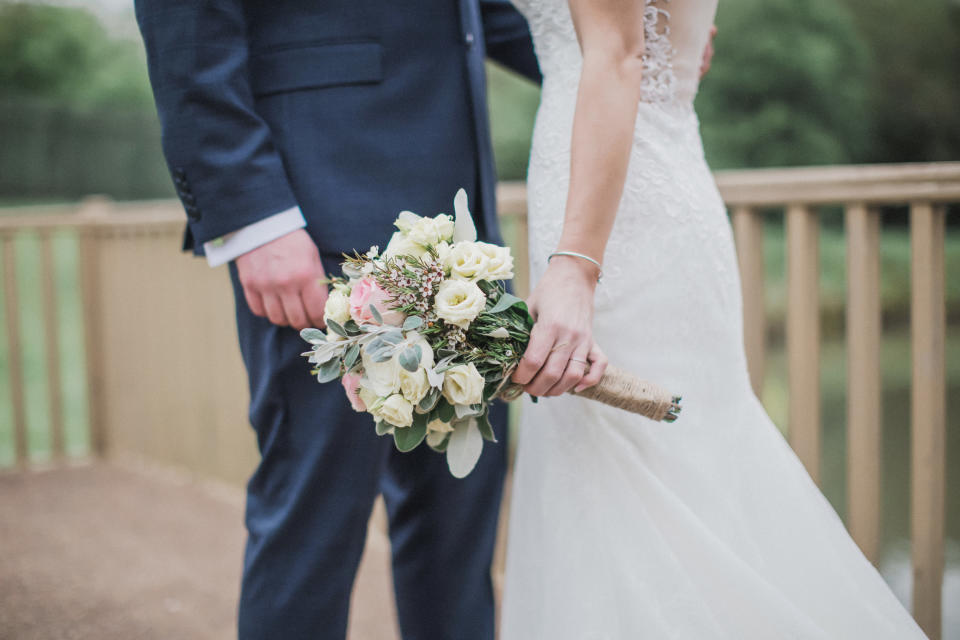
[[192, 212], [468, 39]]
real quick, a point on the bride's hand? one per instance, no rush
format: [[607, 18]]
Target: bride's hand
[[561, 354]]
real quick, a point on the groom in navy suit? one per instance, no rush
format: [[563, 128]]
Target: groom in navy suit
[[296, 130]]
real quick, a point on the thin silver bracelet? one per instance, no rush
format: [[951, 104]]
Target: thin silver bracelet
[[574, 254]]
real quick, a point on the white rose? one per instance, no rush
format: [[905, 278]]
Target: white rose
[[401, 245], [463, 384], [443, 251], [414, 386], [430, 231], [499, 261], [369, 398], [406, 221], [467, 261], [397, 410], [459, 302], [383, 378], [338, 307]]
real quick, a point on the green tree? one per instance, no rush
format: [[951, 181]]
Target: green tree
[[65, 56], [788, 86]]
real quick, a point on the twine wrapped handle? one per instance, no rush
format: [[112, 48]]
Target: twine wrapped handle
[[623, 390]]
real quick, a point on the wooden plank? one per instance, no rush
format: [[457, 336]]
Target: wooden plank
[[91, 294], [748, 231], [872, 184], [11, 308], [803, 335], [52, 343], [864, 427], [928, 414]]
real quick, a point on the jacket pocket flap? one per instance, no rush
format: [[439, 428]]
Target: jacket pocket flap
[[311, 67]]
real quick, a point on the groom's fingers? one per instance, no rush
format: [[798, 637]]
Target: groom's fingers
[[254, 301], [314, 297], [293, 309], [274, 309]]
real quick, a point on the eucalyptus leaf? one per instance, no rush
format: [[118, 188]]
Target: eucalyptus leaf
[[313, 336], [382, 356], [445, 410], [392, 336], [384, 427], [335, 326], [412, 322], [466, 445], [409, 438], [352, 327], [486, 429], [506, 301], [329, 371], [467, 411], [350, 358], [430, 400], [410, 358], [376, 314]]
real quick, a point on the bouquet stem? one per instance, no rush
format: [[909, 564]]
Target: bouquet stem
[[623, 390]]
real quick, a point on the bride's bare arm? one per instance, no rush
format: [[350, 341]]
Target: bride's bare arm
[[610, 33]]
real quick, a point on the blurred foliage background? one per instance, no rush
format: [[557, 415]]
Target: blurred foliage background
[[818, 82]]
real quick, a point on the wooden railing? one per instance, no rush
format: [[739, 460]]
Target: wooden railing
[[165, 381]]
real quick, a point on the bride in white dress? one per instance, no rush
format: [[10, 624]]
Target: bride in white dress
[[623, 528]]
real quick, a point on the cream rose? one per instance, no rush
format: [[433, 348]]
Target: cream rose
[[439, 426], [430, 231], [463, 384], [397, 410], [459, 302], [467, 261], [401, 245], [499, 261], [338, 307], [415, 385], [368, 398], [382, 378]]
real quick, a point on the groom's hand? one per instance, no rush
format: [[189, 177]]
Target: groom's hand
[[281, 281]]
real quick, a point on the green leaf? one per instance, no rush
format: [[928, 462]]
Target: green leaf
[[329, 370], [445, 410], [412, 322], [506, 301], [430, 400], [313, 336], [336, 328], [350, 358], [376, 314], [392, 336], [486, 429], [352, 327], [383, 427], [466, 445], [410, 358], [409, 438]]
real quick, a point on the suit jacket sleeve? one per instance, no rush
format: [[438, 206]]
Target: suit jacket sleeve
[[507, 38], [225, 165]]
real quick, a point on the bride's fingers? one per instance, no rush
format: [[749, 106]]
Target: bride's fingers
[[541, 342], [551, 372], [598, 366], [577, 365]]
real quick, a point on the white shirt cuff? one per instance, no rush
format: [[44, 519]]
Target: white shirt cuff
[[233, 245]]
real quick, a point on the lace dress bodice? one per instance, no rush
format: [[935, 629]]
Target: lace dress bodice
[[675, 31]]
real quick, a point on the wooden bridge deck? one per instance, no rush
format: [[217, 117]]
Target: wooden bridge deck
[[111, 552]]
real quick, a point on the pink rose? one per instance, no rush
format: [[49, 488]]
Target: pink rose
[[367, 292], [351, 384]]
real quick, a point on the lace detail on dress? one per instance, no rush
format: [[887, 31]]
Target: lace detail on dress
[[659, 82]]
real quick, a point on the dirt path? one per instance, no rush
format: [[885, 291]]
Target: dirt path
[[109, 553]]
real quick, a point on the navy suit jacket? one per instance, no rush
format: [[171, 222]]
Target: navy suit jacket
[[350, 109]]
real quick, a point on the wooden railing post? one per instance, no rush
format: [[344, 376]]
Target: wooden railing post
[[92, 210], [864, 426], [11, 308], [748, 231], [51, 327], [928, 419], [803, 335]]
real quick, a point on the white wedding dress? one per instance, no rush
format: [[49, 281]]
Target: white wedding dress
[[622, 528]]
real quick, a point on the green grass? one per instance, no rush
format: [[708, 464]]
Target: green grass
[[70, 362]]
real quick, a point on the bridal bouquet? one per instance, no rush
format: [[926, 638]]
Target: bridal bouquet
[[424, 336]]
